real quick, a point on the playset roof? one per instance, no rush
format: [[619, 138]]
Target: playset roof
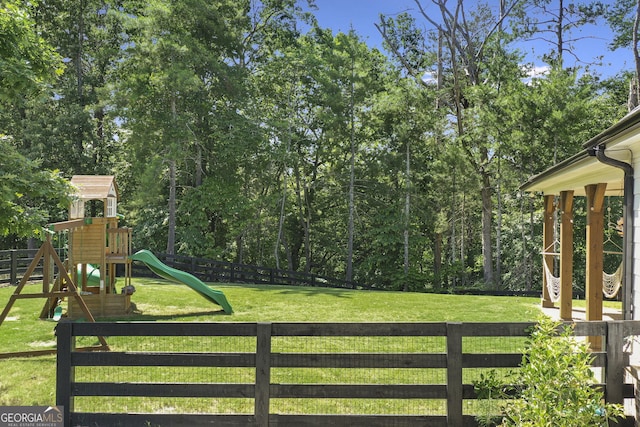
[[95, 187]]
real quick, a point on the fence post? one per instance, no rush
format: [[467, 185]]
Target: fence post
[[615, 362], [64, 370], [263, 373], [454, 374], [13, 276]]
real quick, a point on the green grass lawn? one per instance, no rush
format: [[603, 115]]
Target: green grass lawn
[[31, 381]]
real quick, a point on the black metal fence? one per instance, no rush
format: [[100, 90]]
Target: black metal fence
[[435, 363], [209, 270], [13, 264]]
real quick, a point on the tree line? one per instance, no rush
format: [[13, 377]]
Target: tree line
[[241, 130]]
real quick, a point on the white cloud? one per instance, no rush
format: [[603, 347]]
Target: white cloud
[[535, 72]]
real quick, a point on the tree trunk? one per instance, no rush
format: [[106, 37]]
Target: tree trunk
[[532, 233], [307, 230], [276, 251], [560, 33], [171, 233], [407, 205], [634, 85], [240, 246], [79, 74], [636, 55], [487, 250], [352, 165], [303, 221], [453, 243], [498, 276], [199, 167], [437, 261]]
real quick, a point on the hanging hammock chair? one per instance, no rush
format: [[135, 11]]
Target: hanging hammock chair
[[553, 283], [611, 283]]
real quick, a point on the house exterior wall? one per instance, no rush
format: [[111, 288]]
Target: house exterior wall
[[635, 294]]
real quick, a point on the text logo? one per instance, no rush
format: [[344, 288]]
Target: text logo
[[31, 416]]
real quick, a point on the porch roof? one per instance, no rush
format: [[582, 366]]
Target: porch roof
[[574, 173]]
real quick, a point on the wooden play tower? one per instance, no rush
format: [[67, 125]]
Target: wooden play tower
[[96, 245]]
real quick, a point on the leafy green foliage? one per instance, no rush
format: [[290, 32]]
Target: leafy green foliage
[[260, 122], [621, 16], [27, 61], [26, 193], [557, 383]]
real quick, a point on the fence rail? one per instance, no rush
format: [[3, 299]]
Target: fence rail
[[13, 264], [275, 351], [220, 271]]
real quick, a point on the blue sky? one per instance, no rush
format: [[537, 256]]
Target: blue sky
[[341, 15]]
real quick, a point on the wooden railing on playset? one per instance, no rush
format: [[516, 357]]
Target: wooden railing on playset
[[118, 244]]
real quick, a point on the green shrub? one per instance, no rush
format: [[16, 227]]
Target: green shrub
[[557, 380]]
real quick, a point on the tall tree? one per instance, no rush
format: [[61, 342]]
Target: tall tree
[[27, 61], [73, 130], [624, 19], [172, 71], [27, 64], [237, 143], [558, 22], [400, 168], [471, 40]]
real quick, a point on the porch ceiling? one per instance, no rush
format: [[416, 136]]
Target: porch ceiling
[[621, 141], [575, 176]]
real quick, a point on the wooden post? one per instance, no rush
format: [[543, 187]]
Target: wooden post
[[454, 374], [615, 362], [263, 374], [547, 244], [64, 370], [32, 266], [46, 281], [595, 246], [13, 278], [566, 255]]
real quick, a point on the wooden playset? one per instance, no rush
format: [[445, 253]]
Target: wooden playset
[[96, 248], [96, 245]]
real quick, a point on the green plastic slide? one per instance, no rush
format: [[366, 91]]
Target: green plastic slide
[[93, 274], [170, 273]]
